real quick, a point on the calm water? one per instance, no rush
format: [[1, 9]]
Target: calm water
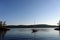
[[26, 34]]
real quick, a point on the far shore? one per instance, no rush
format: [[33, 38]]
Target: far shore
[[32, 26]]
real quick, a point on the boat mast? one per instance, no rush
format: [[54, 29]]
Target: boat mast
[[59, 24], [0, 23]]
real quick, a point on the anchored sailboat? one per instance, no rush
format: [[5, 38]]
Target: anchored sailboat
[[34, 30], [3, 26], [58, 26]]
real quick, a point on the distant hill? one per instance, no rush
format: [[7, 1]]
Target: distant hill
[[31, 26]]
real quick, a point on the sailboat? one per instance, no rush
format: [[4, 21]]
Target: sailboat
[[58, 26], [34, 30], [3, 26]]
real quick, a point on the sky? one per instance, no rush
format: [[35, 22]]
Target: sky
[[29, 12]]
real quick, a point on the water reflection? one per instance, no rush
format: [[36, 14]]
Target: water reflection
[[26, 34], [2, 34], [59, 33]]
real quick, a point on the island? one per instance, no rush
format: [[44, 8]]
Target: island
[[32, 26]]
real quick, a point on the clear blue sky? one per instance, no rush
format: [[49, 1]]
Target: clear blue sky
[[29, 11]]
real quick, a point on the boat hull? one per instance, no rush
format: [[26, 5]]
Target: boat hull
[[4, 29], [57, 28]]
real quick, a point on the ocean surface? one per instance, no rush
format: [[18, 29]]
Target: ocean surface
[[26, 34]]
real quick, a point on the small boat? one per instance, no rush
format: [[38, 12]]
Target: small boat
[[34, 30], [57, 28], [3, 29], [3, 26]]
